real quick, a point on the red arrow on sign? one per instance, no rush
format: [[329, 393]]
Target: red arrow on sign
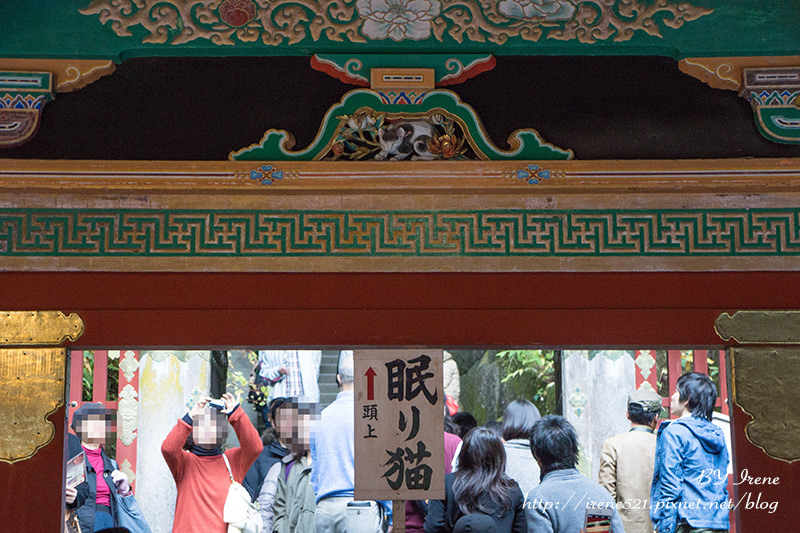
[[370, 373]]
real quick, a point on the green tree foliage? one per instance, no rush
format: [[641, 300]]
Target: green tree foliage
[[112, 390], [491, 379], [530, 374]]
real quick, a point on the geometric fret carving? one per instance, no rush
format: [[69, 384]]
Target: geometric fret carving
[[417, 233]]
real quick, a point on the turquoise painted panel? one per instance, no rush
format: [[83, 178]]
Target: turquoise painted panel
[[119, 29]]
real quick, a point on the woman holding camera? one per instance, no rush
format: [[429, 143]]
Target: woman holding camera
[[193, 452]]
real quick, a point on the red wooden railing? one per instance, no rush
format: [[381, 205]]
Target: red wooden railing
[[100, 395]]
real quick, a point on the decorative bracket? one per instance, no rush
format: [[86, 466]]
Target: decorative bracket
[[774, 94], [770, 84], [26, 85], [22, 98], [358, 69]]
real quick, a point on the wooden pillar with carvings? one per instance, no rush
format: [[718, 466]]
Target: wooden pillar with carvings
[[764, 363], [32, 416]]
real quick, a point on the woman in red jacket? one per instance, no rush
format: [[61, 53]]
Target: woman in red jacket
[[193, 452]]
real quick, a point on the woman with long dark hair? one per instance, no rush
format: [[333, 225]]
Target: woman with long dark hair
[[479, 486]]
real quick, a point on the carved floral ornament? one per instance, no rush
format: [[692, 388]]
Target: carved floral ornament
[[288, 22]]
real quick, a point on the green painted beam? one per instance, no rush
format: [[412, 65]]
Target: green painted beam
[[100, 29]]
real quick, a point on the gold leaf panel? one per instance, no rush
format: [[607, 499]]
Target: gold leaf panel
[[31, 389], [765, 388], [760, 327], [38, 327]]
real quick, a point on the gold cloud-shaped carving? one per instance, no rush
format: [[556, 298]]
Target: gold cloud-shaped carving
[[765, 388], [32, 385]]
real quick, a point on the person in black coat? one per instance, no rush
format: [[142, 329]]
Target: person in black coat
[[92, 423], [77, 495], [479, 486], [273, 452]]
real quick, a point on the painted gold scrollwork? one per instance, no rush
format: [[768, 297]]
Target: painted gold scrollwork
[[69, 74], [78, 74], [719, 73], [290, 22]]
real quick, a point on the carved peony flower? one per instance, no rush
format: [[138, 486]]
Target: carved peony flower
[[360, 121], [538, 9], [237, 13], [398, 19], [446, 146]]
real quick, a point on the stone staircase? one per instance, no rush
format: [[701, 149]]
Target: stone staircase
[[328, 389]]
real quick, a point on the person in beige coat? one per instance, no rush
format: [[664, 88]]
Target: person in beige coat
[[452, 379], [627, 460]]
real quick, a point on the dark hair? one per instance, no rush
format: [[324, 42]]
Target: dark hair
[[495, 426], [299, 407], [518, 419], [274, 405], [481, 479], [268, 436], [84, 411], [465, 421], [639, 416], [449, 425], [555, 443], [699, 393]]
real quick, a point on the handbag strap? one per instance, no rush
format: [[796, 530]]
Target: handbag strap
[[227, 464]]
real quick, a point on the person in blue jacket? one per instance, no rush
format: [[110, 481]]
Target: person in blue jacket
[[690, 483]]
